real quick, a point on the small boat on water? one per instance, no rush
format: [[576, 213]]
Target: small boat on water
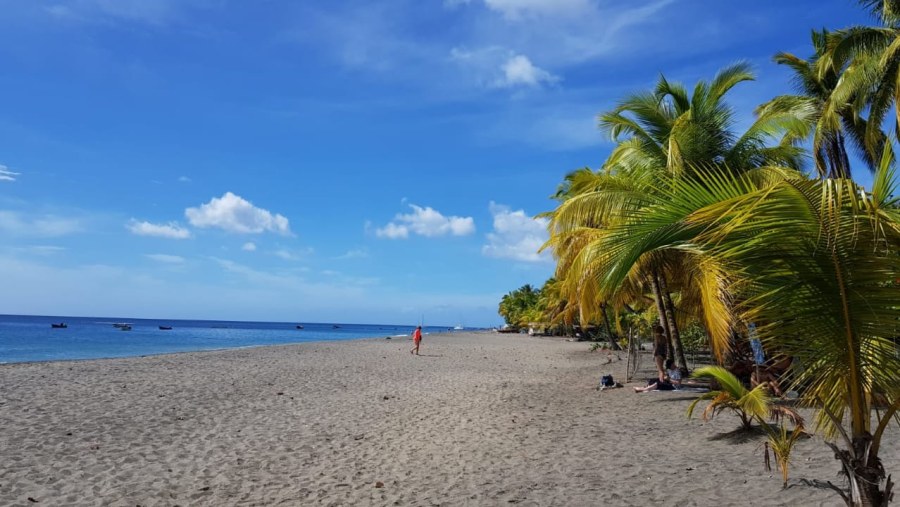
[[165, 328], [121, 325], [335, 326], [125, 327], [299, 326], [61, 325]]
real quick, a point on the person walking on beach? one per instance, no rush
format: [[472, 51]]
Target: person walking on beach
[[417, 339], [660, 348]]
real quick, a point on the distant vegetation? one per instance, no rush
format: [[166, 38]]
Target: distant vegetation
[[698, 225]]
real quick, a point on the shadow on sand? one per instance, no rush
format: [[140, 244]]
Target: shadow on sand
[[740, 435]]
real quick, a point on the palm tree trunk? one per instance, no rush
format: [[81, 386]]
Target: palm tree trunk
[[676, 334], [865, 478], [661, 310], [609, 332]]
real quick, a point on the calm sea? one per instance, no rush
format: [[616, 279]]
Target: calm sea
[[31, 338]]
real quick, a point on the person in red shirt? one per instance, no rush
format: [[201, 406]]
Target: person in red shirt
[[417, 339]]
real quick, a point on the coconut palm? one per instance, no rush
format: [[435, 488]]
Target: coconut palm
[[813, 261], [669, 130], [829, 127], [781, 441], [663, 132], [518, 307], [748, 404], [867, 61]]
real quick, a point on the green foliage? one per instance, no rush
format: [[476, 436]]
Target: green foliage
[[781, 442], [730, 225], [520, 306], [749, 405], [694, 338]]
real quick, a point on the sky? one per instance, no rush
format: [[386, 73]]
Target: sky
[[372, 161]]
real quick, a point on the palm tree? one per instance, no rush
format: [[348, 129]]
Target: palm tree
[[830, 127], [814, 262], [663, 132], [867, 61], [518, 306]]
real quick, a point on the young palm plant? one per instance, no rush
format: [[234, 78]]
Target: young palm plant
[[749, 405], [781, 441]]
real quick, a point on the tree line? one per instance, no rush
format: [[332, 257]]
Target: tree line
[[693, 222]]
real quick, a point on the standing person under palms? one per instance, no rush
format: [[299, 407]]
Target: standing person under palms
[[660, 350]]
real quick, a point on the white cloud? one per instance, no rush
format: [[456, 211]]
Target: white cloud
[[426, 222], [232, 213], [16, 224], [249, 247], [6, 174], [171, 230], [184, 179], [519, 70], [497, 67], [165, 258], [393, 231], [516, 236]]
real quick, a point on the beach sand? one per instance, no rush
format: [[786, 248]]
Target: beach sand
[[478, 419]]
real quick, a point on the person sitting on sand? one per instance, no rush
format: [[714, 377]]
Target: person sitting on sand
[[671, 382], [417, 339]]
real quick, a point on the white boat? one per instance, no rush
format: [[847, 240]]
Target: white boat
[[458, 328]]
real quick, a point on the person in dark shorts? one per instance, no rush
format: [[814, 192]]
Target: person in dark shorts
[[671, 382], [660, 350]]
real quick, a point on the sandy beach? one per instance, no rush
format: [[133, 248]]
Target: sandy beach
[[478, 419]]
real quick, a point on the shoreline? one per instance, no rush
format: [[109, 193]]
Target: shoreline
[[478, 419], [242, 347]]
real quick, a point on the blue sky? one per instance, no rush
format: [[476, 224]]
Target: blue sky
[[345, 161]]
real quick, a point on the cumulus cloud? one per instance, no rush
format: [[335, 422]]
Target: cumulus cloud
[[516, 235], [233, 213], [519, 70], [249, 247], [426, 222], [165, 258], [6, 174], [496, 67], [170, 230]]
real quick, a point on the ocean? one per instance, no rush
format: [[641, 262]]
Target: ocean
[[27, 338]]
